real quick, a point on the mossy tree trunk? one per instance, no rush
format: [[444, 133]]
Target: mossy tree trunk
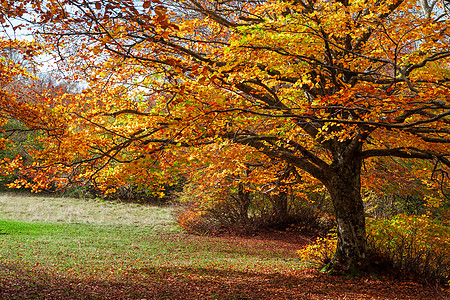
[[344, 185]]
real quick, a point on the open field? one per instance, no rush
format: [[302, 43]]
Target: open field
[[47, 209], [74, 249]]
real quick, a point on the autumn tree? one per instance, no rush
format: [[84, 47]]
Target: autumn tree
[[322, 86], [245, 190], [17, 66]]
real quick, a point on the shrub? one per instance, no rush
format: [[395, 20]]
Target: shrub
[[413, 244], [388, 206], [246, 212], [408, 244], [192, 220], [320, 252]]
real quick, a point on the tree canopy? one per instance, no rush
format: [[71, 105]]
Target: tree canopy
[[320, 88]]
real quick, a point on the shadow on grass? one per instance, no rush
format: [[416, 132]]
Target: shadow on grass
[[204, 283]]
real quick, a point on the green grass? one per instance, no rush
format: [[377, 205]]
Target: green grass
[[120, 240]]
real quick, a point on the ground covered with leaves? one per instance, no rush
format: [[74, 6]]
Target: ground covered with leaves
[[89, 259], [261, 281], [186, 283]]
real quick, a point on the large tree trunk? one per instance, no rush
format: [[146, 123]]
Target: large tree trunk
[[344, 186]]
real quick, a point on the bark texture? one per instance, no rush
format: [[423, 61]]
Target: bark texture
[[344, 185]]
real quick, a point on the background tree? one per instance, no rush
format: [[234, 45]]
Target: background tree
[[16, 68], [245, 192], [319, 85]]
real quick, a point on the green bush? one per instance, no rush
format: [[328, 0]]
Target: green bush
[[404, 244], [413, 244]]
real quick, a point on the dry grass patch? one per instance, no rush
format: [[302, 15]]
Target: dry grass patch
[[69, 210]]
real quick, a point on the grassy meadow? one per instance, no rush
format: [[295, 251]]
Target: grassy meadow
[[107, 241], [60, 248]]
